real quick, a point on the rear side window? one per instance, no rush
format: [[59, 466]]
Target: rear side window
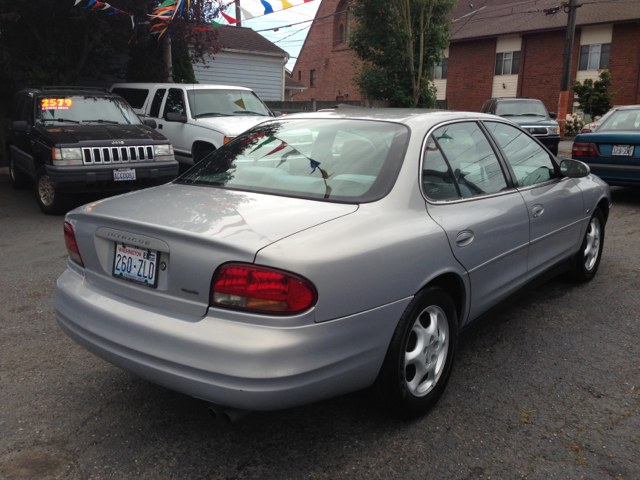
[[157, 102], [474, 164], [437, 179], [134, 96]]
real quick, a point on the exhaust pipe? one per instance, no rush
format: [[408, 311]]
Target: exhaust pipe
[[226, 415]]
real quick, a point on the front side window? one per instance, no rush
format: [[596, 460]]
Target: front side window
[[529, 161], [84, 109], [225, 103], [507, 63], [474, 164], [594, 57], [350, 161], [174, 103]]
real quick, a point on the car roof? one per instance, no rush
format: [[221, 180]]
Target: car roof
[[409, 116], [191, 86]]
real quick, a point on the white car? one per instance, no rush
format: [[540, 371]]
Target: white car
[[197, 119], [593, 126]]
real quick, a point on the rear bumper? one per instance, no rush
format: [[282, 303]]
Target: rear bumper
[[622, 175], [100, 178], [242, 365]]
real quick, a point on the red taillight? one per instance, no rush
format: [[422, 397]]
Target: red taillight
[[261, 289], [584, 150], [586, 130], [72, 245]]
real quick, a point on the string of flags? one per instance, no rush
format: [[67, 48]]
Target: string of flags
[[167, 10]]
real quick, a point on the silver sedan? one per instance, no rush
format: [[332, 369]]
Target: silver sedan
[[319, 254]]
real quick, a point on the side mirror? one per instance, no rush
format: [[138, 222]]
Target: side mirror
[[574, 168], [21, 126], [149, 122], [176, 117], [552, 115], [277, 113]]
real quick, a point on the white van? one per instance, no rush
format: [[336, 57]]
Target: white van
[[197, 119]]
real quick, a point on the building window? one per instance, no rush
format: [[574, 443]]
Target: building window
[[507, 63], [594, 57], [341, 34], [441, 71], [312, 78], [299, 75]]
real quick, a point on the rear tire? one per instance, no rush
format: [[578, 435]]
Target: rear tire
[[19, 179], [419, 361], [50, 200], [588, 258]]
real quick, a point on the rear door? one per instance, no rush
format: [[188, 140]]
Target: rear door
[[484, 216], [554, 204]]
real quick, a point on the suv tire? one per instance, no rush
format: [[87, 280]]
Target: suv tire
[[50, 200]]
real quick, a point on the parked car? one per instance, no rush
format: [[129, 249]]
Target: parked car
[[323, 253], [68, 140], [197, 119], [593, 126], [530, 114], [613, 151]]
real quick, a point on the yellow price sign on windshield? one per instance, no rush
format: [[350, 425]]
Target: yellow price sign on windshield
[[56, 103]]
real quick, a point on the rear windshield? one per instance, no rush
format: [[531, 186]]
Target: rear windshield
[[532, 108], [350, 161], [622, 120], [84, 109]]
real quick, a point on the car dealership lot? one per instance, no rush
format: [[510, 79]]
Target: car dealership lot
[[548, 388]]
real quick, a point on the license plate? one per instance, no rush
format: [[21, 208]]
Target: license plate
[[135, 264], [622, 150], [124, 174]]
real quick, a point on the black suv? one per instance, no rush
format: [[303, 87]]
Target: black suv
[[72, 139], [531, 115]]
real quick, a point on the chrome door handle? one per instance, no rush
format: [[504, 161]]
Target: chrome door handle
[[537, 210], [464, 238]]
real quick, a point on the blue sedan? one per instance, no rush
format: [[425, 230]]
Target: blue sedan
[[613, 151]]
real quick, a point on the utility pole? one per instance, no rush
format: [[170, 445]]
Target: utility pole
[[563, 104], [238, 17], [166, 56]]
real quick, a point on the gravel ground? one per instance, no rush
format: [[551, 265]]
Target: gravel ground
[[548, 388]]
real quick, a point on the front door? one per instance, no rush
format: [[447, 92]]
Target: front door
[[484, 216], [176, 131], [554, 204]]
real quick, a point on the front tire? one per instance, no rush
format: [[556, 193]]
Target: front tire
[[419, 361], [588, 258], [50, 200]]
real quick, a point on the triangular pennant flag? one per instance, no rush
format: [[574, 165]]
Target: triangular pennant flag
[[286, 4], [98, 4], [314, 165], [133, 23], [91, 2], [247, 15], [166, 3], [215, 24], [240, 103], [253, 138], [268, 140], [106, 6], [77, 2], [267, 7], [278, 148], [231, 20]]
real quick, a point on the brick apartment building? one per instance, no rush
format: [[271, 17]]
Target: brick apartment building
[[501, 48]]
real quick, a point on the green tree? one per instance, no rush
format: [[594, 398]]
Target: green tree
[[594, 98], [398, 41]]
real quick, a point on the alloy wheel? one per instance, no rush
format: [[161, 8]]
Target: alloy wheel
[[592, 248], [46, 190]]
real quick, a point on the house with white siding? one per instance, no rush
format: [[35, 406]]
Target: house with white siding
[[247, 59]]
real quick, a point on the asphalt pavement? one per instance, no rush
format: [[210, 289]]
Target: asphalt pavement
[[547, 389]]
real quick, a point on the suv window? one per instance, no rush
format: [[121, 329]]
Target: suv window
[[523, 107], [23, 109], [174, 103], [474, 164], [157, 102], [529, 161]]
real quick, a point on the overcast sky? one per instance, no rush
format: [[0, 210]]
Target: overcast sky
[[290, 39]]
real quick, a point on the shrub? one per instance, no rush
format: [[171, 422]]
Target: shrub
[[574, 124]]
